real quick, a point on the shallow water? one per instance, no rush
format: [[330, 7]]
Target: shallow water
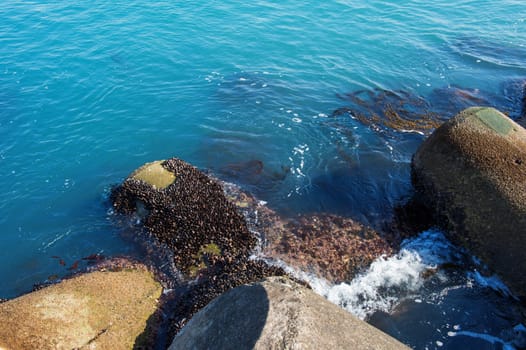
[[433, 295], [90, 91]]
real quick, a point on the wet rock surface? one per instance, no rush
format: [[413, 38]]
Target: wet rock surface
[[212, 229], [278, 313], [110, 308], [192, 217], [471, 173], [332, 247]]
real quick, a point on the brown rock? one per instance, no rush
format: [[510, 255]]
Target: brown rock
[[278, 314], [333, 247], [472, 173], [97, 310], [187, 212]]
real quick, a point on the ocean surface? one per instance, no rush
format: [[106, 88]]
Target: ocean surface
[[89, 91]]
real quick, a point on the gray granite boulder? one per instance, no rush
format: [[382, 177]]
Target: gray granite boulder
[[472, 173], [278, 313]]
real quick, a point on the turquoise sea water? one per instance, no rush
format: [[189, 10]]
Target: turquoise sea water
[[91, 90]]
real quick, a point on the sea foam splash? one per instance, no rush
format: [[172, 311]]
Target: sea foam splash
[[391, 279]]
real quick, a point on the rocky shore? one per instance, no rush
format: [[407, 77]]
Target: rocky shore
[[227, 249], [110, 308], [471, 175], [278, 313]]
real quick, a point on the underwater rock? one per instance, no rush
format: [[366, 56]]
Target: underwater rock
[[106, 309], [385, 111], [515, 93], [333, 247], [278, 313], [452, 99], [253, 174], [471, 173]]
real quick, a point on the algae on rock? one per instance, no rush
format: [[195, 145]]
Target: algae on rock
[[471, 172]]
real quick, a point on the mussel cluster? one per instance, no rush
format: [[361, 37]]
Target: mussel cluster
[[189, 216], [210, 241]]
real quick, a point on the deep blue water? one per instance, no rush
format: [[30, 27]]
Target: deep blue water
[[91, 90]]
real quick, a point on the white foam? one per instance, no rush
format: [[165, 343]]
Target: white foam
[[380, 286], [486, 337], [390, 279], [492, 282]]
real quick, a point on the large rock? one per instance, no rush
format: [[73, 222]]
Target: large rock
[[472, 173], [97, 310], [278, 314], [330, 246], [187, 212]]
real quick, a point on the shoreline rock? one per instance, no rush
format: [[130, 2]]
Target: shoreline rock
[[471, 173], [188, 212], [330, 246], [108, 309], [278, 313]]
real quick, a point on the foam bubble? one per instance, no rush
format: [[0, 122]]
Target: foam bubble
[[380, 286], [492, 282], [390, 279]]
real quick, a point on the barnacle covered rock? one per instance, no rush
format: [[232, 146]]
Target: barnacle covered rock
[[186, 210]]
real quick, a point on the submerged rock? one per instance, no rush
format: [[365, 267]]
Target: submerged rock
[[278, 314], [333, 247], [472, 173], [101, 309], [514, 91], [387, 111]]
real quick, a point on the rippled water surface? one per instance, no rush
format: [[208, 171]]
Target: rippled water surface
[[91, 90]]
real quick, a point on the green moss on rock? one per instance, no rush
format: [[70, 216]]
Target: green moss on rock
[[492, 119], [203, 257], [155, 175], [471, 173]]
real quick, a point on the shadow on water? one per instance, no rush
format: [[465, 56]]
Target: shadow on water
[[361, 165], [254, 174]]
